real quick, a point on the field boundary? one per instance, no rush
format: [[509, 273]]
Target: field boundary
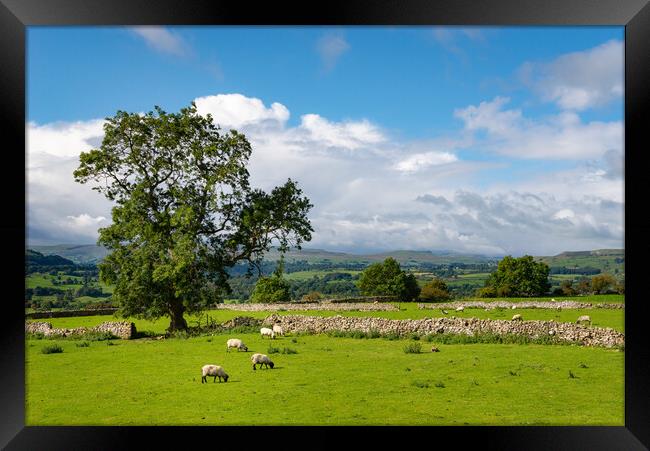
[[552, 331], [524, 304]]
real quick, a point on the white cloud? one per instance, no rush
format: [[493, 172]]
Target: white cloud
[[579, 80], [347, 135], [422, 161], [162, 40], [370, 191], [562, 137], [330, 48], [236, 110]]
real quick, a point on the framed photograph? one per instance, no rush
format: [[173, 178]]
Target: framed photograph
[[379, 217]]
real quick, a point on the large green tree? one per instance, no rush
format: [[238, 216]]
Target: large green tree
[[518, 277], [184, 211], [388, 279]]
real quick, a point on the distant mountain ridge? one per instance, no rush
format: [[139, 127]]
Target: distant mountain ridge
[[91, 253]]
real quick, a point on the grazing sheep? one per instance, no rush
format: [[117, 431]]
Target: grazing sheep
[[516, 317], [434, 349], [236, 343], [584, 319], [262, 359], [265, 331], [444, 312], [514, 307], [278, 330], [460, 309], [213, 370]]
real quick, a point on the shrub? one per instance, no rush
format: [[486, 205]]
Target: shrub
[[413, 348], [52, 349], [289, 351], [435, 291], [414, 336], [83, 344], [420, 384], [312, 296], [440, 384], [272, 350]]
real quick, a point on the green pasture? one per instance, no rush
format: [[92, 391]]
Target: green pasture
[[328, 381]]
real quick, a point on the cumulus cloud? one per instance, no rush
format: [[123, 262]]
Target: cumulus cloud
[[422, 161], [162, 40], [579, 80], [236, 110], [370, 191], [562, 137], [330, 48]]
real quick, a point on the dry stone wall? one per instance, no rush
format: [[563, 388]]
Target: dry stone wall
[[568, 332], [68, 313], [360, 306], [522, 304], [122, 329]]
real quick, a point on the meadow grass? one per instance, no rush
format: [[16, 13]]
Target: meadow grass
[[329, 380]]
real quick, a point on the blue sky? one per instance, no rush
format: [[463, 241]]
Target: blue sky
[[496, 112]]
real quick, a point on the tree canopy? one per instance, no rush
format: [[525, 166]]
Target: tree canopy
[[517, 277], [436, 290], [274, 288], [184, 211], [388, 279]]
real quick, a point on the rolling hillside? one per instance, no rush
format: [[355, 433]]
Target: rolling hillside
[[606, 260]]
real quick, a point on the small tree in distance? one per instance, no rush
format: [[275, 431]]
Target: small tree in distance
[[435, 291], [274, 288], [388, 279], [518, 277]]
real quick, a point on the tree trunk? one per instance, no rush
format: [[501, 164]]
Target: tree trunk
[[176, 314]]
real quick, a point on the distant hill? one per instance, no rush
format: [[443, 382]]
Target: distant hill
[[607, 260], [78, 253], [34, 258]]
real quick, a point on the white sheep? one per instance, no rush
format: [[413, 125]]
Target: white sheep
[[265, 331], [278, 330], [261, 359], [460, 309], [514, 307], [236, 343], [584, 319], [213, 370], [516, 317]]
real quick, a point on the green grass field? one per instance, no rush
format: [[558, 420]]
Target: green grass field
[[328, 381]]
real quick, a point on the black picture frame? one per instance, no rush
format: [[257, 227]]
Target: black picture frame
[[16, 15]]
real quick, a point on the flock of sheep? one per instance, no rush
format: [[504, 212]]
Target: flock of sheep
[[217, 371]]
